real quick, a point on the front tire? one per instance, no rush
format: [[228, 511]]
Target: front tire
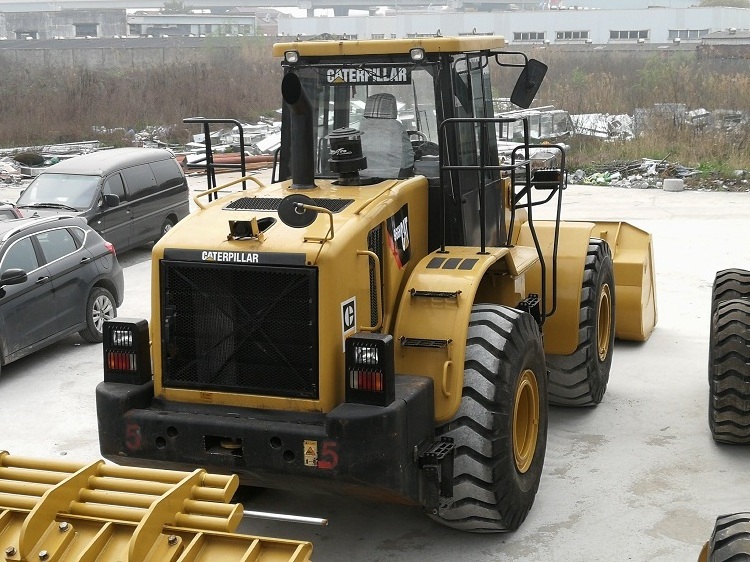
[[580, 379], [729, 284], [500, 429], [729, 373], [730, 539], [100, 306]]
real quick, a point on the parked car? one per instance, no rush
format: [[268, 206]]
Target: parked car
[[9, 211], [57, 277], [131, 196]]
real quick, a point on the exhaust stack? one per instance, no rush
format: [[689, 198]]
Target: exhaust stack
[[303, 139]]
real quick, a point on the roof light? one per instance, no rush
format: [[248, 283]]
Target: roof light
[[292, 57], [416, 54]]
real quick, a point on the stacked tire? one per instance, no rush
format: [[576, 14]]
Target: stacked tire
[[729, 358]]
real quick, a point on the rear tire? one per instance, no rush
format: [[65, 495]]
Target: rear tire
[[730, 284], [100, 306], [730, 539], [500, 429], [729, 373], [580, 379]]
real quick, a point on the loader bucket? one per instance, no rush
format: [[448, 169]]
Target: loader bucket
[[66, 511], [635, 283]]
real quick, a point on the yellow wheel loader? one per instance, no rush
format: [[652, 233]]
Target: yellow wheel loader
[[387, 317]]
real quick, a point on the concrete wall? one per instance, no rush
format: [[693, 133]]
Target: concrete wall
[[48, 25], [114, 53]]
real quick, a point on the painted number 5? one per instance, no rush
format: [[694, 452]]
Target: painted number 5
[[328, 458]]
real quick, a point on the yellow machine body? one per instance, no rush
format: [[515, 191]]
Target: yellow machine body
[[336, 245]]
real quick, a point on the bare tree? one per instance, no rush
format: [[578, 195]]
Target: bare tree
[[176, 7]]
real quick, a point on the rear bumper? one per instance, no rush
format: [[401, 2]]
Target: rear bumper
[[357, 449]]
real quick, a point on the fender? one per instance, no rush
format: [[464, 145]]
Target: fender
[[560, 328], [435, 307], [635, 294]]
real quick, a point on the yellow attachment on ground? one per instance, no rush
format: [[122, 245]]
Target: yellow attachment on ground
[[632, 260], [635, 278], [64, 511]]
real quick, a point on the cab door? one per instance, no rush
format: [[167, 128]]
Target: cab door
[[145, 205], [26, 309], [71, 270]]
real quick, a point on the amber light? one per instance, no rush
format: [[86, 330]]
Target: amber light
[[121, 361], [371, 381]]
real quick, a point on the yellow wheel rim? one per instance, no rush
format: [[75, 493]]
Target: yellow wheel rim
[[604, 323], [525, 420]]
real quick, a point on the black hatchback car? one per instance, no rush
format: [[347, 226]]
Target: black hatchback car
[[57, 277]]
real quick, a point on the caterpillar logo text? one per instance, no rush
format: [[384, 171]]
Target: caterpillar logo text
[[231, 257]]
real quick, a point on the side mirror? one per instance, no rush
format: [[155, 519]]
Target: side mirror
[[12, 277], [528, 84], [110, 200]]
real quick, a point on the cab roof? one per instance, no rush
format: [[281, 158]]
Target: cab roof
[[104, 162], [345, 47]]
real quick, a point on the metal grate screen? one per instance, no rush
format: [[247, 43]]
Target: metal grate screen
[[238, 328], [272, 204]]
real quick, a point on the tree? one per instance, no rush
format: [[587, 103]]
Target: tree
[[725, 3], [176, 7]]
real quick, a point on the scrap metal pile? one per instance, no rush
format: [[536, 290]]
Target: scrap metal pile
[[650, 174]]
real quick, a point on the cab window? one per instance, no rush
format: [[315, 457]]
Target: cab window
[[114, 186], [167, 173], [20, 255], [56, 243], [139, 180]]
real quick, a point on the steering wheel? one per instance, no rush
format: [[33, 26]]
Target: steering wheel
[[422, 145], [421, 137]]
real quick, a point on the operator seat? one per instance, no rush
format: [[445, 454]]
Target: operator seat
[[385, 142]]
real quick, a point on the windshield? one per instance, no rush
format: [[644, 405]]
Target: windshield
[[70, 190], [393, 106]]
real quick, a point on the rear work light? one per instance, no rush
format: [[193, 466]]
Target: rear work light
[[370, 378], [127, 356]]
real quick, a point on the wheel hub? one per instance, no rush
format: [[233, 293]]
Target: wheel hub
[[525, 420], [604, 323]]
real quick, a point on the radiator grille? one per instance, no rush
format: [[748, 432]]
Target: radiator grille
[[272, 204], [239, 328], [375, 245]]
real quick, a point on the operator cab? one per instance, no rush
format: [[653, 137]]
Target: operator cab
[[421, 107]]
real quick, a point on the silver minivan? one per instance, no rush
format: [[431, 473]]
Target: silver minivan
[[130, 196]]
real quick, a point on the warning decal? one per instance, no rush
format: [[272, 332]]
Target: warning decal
[[348, 320], [310, 453]]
